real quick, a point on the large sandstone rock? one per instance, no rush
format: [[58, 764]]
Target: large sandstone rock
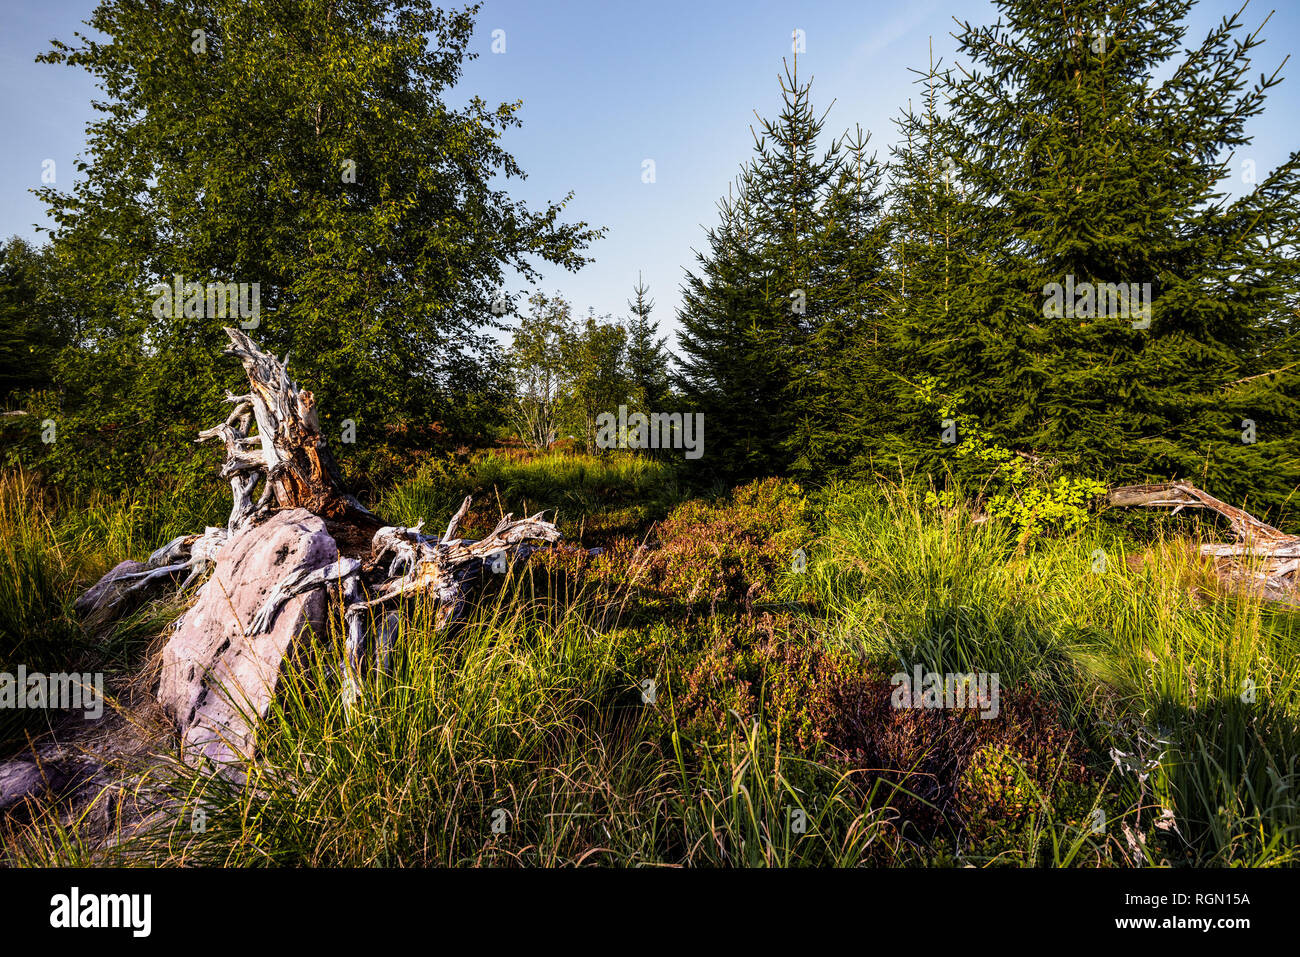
[[214, 679]]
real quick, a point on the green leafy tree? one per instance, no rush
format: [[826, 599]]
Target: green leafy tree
[[539, 375], [594, 360], [306, 148], [32, 331]]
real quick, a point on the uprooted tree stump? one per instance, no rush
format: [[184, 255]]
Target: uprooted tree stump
[[1263, 557], [278, 562]]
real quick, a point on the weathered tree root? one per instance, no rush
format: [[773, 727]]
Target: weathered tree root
[[1276, 554], [290, 458], [288, 452], [445, 569], [192, 554]]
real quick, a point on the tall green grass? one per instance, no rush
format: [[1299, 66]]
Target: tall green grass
[[523, 739], [616, 491], [520, 740], [52, 547], [38, 564], [1138, 644]]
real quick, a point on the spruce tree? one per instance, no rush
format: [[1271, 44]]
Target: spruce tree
[[845, 417], [788, 185], [647, 355], [776, 316], [933, 244], [1084, 176], [729, 370]]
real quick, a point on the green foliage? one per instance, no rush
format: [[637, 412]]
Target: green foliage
[[537, 369], [566, 373], [780, 319], [1081, 146], [308, 149], [1013, 487], [589, 498], [1082, 143], [32, 330], [594, 357], [647, 355]]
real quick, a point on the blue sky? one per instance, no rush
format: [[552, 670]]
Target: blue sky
[[608, 85]]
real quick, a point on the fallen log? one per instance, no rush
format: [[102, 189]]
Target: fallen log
[[1264, 557], [302, 540]]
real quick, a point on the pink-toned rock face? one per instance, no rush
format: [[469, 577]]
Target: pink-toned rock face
[[215, 680]]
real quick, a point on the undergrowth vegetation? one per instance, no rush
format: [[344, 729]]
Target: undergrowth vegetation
[[717, 686]]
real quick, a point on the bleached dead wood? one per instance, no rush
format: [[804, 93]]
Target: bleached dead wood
[[272, 437], [288, 452], [189, 554], [1265, 556]]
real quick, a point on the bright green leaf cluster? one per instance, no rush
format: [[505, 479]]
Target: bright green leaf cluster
[[1016, 488]]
